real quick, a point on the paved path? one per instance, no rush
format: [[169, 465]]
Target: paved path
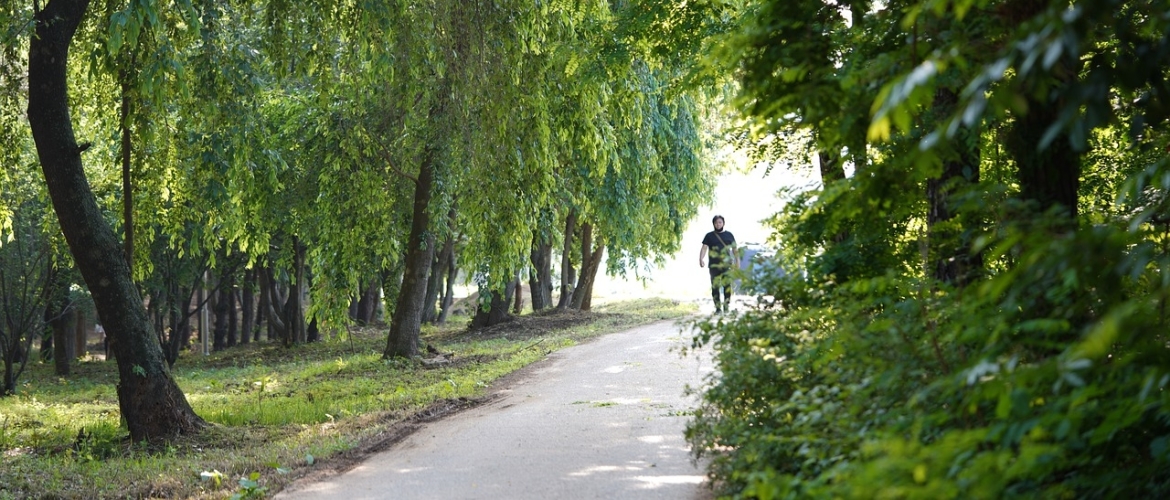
[[600, 420]]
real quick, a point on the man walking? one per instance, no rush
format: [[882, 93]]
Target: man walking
[[721, 246]]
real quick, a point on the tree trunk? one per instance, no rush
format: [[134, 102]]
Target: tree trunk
[[219, 306], [367, 305], [831, 167], [233, 326], [590, 263], [392, 287], [449, 292], [406, 324], [181, 312], [152, 404], [953, 261], [1048, 177], [567, 276], [540, 276], [276, 323], [498, 307], [434, 284], [295, 318], [127, 184], [248, 306], [263, 305], [81, 333], [58, 315], [517, 297]]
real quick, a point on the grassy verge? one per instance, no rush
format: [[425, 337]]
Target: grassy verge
[[278, 413]]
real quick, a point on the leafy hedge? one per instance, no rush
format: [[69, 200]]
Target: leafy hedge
[[1046, 378]]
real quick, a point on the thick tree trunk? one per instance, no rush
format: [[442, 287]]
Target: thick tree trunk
[[540, 276], [406, 323], [498, 312], [953, 261], [152, 404], [590, 263], [568, 278]]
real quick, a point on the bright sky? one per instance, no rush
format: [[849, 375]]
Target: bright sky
[[743, 199]]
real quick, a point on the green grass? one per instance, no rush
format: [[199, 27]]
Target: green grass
[[278, 411]]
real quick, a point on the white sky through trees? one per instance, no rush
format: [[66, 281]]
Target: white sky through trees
[[743, 199]]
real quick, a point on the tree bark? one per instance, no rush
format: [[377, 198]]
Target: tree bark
[[567, 276], [434, 284], [127, 184], [590, 263], [1048, 177], [295, 318], [406, 323], [443, 285], [540, 276], [272, 300], [498, 307], [367, 305], [233, 327], [263, 304], [392, 286], [248, 306], [219, 307], [57, 315], [151, 402], [449, 292]]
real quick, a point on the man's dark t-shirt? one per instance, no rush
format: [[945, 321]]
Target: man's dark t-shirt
[[717, 244]]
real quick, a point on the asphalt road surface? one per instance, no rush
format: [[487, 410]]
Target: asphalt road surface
[[600, 420]]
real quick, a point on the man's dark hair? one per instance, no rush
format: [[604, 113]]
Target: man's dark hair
[[718, 217]]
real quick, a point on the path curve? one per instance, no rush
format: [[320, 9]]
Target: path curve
[[603, 419]]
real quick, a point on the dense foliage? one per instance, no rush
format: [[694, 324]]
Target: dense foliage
[[979, 309], [285, 166]]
